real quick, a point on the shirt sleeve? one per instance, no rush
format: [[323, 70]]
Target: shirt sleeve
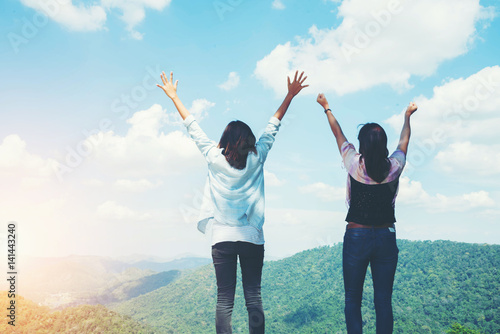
[[266, 140], [400, 157], [349, 156], [204, 144]]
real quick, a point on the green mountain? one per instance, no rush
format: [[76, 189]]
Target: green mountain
[[437, 284], [130, 289], [85, 319]]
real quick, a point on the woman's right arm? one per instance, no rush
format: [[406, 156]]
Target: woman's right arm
[[204, 144], [404, 139], [334, 124], [293, 89], [171, 90]]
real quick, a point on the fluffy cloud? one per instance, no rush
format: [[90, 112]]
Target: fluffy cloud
[[19, 165], [145, 150], [133, 11], [198, 109], [272, 180], [64, 12], [457, 125], [467, 158], [324, 191], [412, 193], [377, 42], [233, 80], [459, 109], [93, 17]]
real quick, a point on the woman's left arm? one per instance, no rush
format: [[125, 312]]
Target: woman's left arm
[[404, 139], [171, 90]]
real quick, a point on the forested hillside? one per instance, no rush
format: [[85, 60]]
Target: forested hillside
[[437, 284], [85, 319]]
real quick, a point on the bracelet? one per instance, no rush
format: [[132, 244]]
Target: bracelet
[[326, 110]]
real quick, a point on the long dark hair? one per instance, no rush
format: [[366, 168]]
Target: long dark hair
[[373, 149], [236, 142]]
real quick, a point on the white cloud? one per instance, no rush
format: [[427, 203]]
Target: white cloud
[[147, 122], [135, 185], [470, 159], [133, 11], [64, 12], [145, 150], [272, 180], [459, 109], [233, 80], [278, 4], [198, 109], [377, 42], [114, 211], [93, 17], [18, 165], [412, 193], [324, 191], [457, 125]]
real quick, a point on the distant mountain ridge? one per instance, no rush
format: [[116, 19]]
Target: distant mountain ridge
[[177, 264], [437, 283], [75, 280]]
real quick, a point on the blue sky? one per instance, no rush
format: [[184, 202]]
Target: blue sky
[[93, 159]]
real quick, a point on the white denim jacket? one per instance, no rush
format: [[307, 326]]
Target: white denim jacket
[[233, 197]]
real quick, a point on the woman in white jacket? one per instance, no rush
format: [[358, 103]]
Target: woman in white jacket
[[235, 203]]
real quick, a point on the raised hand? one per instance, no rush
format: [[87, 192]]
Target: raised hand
[[322, 101], [296, 86], [412, 107], [168, 86]]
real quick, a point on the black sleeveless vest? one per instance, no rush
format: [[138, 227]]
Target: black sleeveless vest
[[372, 204]]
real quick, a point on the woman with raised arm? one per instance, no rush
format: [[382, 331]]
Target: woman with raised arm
[[370, 237], [235, 204]]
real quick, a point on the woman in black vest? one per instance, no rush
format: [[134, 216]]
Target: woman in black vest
[[370, 237]]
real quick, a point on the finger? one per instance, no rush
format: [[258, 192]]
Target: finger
[[163, 78], [304, 86], [288, 79], [171, 76], [176, 82], [296, 72], [300, 77]]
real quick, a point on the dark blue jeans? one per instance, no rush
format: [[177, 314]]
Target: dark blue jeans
[[224, 255], [377, 247]]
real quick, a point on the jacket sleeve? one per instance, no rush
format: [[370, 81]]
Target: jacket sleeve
[[266, 140], [204, 144]]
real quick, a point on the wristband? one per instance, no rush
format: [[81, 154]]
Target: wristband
[[326, 110]]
